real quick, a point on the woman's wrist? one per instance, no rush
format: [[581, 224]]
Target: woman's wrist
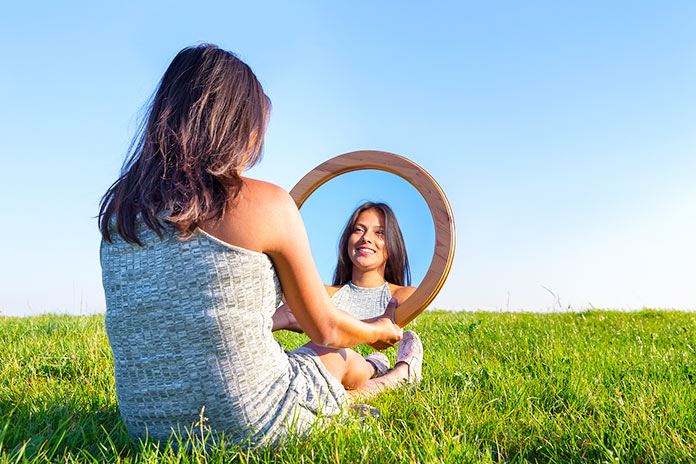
[[379, 329]]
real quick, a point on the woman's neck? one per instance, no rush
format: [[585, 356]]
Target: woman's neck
[[369, 279]]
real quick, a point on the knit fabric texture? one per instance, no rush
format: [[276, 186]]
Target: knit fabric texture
[[361, 302], [189, 323]]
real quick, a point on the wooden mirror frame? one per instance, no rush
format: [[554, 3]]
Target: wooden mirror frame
[[433, 195]]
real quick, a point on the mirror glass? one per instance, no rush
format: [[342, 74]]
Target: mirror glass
[[327, 210]]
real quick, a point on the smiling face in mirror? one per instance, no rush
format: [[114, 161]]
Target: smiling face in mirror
[[367, 246], [372, 250]]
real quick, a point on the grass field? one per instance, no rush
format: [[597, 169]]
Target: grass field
[[568, 387]]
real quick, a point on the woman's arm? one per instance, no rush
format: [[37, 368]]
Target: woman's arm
[[264, 218], [288, 246]]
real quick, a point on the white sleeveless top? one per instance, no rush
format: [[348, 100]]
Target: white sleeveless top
[[362, 302], [189, 323]]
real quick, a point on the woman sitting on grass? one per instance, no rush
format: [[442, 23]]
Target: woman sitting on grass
[[193, 260]]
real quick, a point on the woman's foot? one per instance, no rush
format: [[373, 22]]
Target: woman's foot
[[410, 353], [379, 361]]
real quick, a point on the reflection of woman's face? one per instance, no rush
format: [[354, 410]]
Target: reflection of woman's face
[[366, 246]]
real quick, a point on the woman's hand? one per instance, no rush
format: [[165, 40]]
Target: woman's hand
[[390, 333], [284, 319]]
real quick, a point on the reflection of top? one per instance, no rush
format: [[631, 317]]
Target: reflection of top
[[361, 302]]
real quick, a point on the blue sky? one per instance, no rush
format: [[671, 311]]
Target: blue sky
[[563, 134]]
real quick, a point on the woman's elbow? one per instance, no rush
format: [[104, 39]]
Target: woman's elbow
[[327, 336]]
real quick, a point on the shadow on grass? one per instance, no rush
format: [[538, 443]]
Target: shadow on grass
[[44, 432], [60, 432]]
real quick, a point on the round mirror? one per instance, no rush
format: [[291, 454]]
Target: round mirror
[[326, 216]]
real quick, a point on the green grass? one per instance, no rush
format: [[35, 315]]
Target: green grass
[[570, 387]]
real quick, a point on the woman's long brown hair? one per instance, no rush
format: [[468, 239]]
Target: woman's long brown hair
[[397, 270], [207, 120]]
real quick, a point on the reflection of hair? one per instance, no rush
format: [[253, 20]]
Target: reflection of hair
[[208, 114], [397, 270]]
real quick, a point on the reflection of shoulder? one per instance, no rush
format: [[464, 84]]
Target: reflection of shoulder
[[331, 289], [401, 293]]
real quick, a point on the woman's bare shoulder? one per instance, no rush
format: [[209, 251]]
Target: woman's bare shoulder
[[255, 217], [259, 190], [263, 201], [331, 289], [272, 217], [401, 293]]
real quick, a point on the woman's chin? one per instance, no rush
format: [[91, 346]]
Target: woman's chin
[[365, 265]]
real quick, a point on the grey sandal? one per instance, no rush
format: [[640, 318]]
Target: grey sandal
[[410, 352]]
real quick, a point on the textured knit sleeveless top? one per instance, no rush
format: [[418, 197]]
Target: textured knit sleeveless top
[[189, 323], [361, 302]]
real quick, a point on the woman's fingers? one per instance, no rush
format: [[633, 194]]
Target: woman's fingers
[[390, 333], [380, 346]]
